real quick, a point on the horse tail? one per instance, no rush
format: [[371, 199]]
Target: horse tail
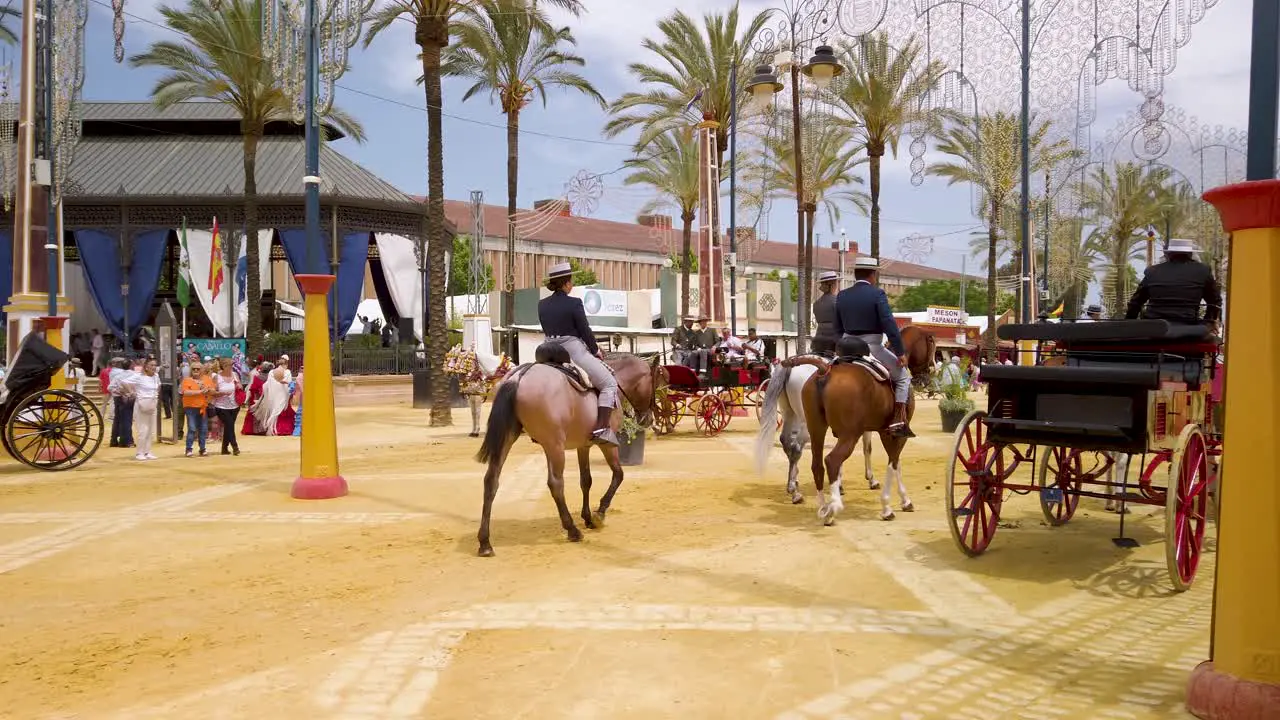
[[503, 423], [768, 433]]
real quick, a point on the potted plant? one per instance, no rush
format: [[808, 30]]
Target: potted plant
[[955, 402], [630, 437]]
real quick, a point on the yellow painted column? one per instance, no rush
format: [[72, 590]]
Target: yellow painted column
[[319, 478], [53, 335], [1242, 679]]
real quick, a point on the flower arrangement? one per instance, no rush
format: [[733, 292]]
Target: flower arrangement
[[630, 427], [472, 380]]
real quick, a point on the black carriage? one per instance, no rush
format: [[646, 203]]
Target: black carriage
[[1101, 392], [48, 429]]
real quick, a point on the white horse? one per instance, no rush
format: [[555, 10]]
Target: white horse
[[783, 395]]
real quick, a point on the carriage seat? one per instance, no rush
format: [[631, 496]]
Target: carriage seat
[[1176, 352]]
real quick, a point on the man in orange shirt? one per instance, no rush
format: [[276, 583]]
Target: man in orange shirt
[[196, 391]]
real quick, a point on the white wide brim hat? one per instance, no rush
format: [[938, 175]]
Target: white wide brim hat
[[828, 276], [866, 262], [559, 270], [1180, 245]]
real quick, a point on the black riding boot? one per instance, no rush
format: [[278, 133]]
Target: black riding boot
[[898, 427], [602, 433]]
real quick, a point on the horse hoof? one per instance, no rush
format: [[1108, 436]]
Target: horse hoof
[[890, 516], [575, 536], [474, 434], [797, 499], [909, 507], [873, 485], [597, 519], [486, 552]]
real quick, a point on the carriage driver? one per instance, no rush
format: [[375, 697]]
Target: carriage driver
[[863, 310], [1172, 290], [564, 322]]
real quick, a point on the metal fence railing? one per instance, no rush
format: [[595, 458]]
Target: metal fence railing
[[351, 359]]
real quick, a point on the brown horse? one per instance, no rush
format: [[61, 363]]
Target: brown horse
[[785, 395], [559, 413]]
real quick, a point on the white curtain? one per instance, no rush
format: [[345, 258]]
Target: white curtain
[[400, 266], [199, 245]]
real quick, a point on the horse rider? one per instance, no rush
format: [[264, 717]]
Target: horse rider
[[1172, 290], [824, 313], [564, 322], [863, 310]]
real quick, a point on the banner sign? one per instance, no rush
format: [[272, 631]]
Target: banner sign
[[602, 303], [214, 347], [946, 316]]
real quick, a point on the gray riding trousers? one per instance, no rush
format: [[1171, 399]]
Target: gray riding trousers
[[599, 373], [900, 375]]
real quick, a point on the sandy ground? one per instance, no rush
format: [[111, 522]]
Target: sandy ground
[[196, 588]]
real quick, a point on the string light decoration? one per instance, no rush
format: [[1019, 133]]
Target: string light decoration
[[915, 248], [284, 33], [8, 137], [583, 192], [68, 81]]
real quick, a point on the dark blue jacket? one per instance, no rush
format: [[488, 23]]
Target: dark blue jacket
[[863, 309], [562, 314]]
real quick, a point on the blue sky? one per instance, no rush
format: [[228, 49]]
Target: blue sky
[[1210, 83]]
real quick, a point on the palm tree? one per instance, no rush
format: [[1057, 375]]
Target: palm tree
[[220, 58], [828, 172], [670, 166], [694, 72], [986, 155], [434, 24], [1122, 203], [514, 54], [881, 96], [7, 35]]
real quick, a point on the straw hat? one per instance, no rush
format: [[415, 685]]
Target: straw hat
[[559, 270], [828, 276], [866, 262], [1180, 245]]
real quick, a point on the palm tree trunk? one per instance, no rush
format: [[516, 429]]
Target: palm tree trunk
[[437, 335], [686, 251], [253, 289], [513, 175], [992, 238], [875, 203]]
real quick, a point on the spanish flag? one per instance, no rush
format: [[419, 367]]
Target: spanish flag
[[215, 263], [1058, 313]]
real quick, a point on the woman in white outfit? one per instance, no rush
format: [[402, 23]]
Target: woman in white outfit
[[145, 389]]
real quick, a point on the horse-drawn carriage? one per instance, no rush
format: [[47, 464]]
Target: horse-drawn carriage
[[710, 401], [45, 428], [1104, 392]]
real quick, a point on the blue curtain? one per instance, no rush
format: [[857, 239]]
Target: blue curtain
[[6, 270], [353, 253], [100, 261]]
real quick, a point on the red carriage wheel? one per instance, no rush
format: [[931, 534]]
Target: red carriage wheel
[[668, 414], [1060, 477], [1186, 506], [712, 415], [975, 513]]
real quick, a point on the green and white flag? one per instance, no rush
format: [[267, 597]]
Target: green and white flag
[[184, 270]]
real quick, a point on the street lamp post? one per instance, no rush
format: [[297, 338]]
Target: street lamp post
[[287, 26], [821, 69]]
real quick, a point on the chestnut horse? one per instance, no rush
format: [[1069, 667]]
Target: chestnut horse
[[784, 394], [559, 413]]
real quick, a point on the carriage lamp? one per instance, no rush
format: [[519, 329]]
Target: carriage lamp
[[823, 66], [762, 87]]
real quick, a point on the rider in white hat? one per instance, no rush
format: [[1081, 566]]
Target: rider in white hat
[[824, 314], [1174, 289], [863, 310], [564, 321]]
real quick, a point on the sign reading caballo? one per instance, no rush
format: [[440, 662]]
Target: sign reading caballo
[[940, 315]]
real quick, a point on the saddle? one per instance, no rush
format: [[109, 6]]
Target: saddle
[[855, 351], [555, 356]]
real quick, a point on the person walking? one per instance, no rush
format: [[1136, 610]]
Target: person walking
[[99, 348], [122, 404], [195, 400], [226, 403], [144, 389]]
